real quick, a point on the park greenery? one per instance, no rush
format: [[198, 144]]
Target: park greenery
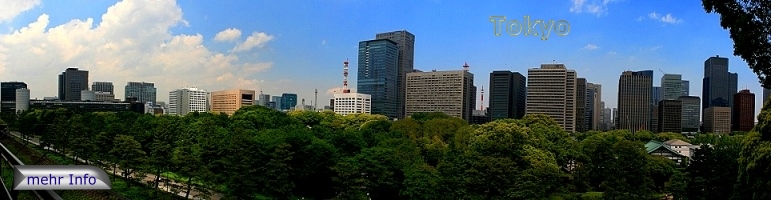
[[260, 153]]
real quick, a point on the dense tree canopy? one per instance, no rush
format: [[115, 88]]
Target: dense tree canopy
[[259, 153]]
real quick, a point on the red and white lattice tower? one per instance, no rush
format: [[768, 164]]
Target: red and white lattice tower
[[345, 77], [482, 104]]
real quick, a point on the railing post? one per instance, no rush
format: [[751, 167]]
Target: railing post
[[14, 193]]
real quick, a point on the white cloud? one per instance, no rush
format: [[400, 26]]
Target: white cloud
[[255, 40], [612, 53], [595, 7], [668, 18], [655, 48], [590, 47], [133, 42], [9, 9], [323, 42], [230, 34]]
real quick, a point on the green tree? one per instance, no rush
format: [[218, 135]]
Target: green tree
[[128, 154], [422, 182], [627, 179]]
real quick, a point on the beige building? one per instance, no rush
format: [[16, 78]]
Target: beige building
[[717, 120], [551, 90], [450, 92], [228, 101]]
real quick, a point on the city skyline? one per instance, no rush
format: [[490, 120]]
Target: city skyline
[[199, 44]]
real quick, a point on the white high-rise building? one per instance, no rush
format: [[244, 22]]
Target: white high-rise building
[[187, 100], [352, 103], [551, 90]]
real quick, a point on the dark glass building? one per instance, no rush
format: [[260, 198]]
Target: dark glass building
[[288, 101], [378, 74], [405, 42], [8, 90], [508, 93], [719, 84], [71, 82]]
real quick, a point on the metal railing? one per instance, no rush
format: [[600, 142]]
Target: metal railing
[[12, 160]]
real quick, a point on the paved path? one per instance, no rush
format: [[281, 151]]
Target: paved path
[[148, 179]]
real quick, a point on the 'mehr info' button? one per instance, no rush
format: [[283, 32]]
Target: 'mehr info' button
[[60, 177]]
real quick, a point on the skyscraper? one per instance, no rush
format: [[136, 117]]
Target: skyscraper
[[187, 100], [71, 82], [97, 86], [743, 116], [405, 42], [594, 106], [671, 86], [607, 119], [378, 74], [719, 84], [690, 113], [670, 116], [450, 92], [143, 91], [634, 100], [551, 90], [508, 93], [656, 95], [288, 101], [686, 88], [582, 124]]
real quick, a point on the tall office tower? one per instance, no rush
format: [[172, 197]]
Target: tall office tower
[[657, 93], [288, 101], [615, 119], [450, 92], [766, 92], [229, 101], [378, 74], [98, 86], [686, 88], [187, 100], [634, 100], [508, 92], [143, 91], [551, 90], [743, 115], [717, 120], [690, 120], [594, 106], [607, 119], [352, 103], [655, 118], [671, 86], [22, 100], [719, 84], [581, 119], [405, 42], [670, 116], [276, 102], [71, 82]]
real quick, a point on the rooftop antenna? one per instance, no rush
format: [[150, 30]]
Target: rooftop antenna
[[465, 66], [553, 61], [345, 77], [316, 99]]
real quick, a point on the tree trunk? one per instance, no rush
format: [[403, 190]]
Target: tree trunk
[[189, 186]]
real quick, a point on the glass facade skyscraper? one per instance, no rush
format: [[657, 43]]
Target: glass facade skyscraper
[[719, 84], [288, 101], [144, 92], [378, 75]]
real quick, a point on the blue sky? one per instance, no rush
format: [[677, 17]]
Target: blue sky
[[299, 46]]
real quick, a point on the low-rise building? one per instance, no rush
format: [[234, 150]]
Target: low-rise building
[[657, 148]]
